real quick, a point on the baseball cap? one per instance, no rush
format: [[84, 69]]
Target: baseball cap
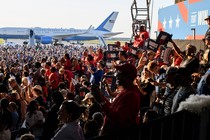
[[207, 18], [128, 70]]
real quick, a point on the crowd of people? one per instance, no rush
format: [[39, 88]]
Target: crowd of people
[[68, 92]]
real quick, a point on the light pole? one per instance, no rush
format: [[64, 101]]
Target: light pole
[[193, 29]]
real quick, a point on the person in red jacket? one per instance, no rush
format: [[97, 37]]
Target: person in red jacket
[[53, 79], [67, 64], [97, 56], [121, 115], [143, 33], [66, 76], [125, 47], [140, 37]]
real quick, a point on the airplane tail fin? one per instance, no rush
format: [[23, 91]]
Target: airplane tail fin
[[108, 23]]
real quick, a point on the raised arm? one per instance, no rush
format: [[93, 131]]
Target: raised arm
[[176, 48]]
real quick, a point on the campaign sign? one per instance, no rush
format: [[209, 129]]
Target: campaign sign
[[163, 38], [151, 45]]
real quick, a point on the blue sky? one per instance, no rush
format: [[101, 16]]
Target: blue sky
[[71, 13]]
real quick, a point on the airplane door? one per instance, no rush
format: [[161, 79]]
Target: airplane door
[[4, 32]]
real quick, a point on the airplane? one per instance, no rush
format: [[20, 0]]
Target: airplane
[[48, 35]]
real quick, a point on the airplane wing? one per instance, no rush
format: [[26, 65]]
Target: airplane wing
[[111, 34], [73, 34]]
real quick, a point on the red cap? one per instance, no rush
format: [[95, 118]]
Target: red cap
[[128, 70]]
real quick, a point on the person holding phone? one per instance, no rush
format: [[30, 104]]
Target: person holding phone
[[122, 115]]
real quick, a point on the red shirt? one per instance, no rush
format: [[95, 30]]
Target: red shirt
[[67, 64], [177, 61], [138, 43], [69, 74], [125, 48], [97, 58], [144, 35], [53, 79], [76, 68], [48, 73], [140, 39], [45, 93]]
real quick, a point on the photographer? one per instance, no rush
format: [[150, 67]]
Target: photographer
[[122, 114]]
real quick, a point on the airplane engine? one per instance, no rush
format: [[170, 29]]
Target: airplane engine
[[46, 40]]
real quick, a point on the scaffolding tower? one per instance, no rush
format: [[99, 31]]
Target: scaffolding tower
[[140, 16]]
